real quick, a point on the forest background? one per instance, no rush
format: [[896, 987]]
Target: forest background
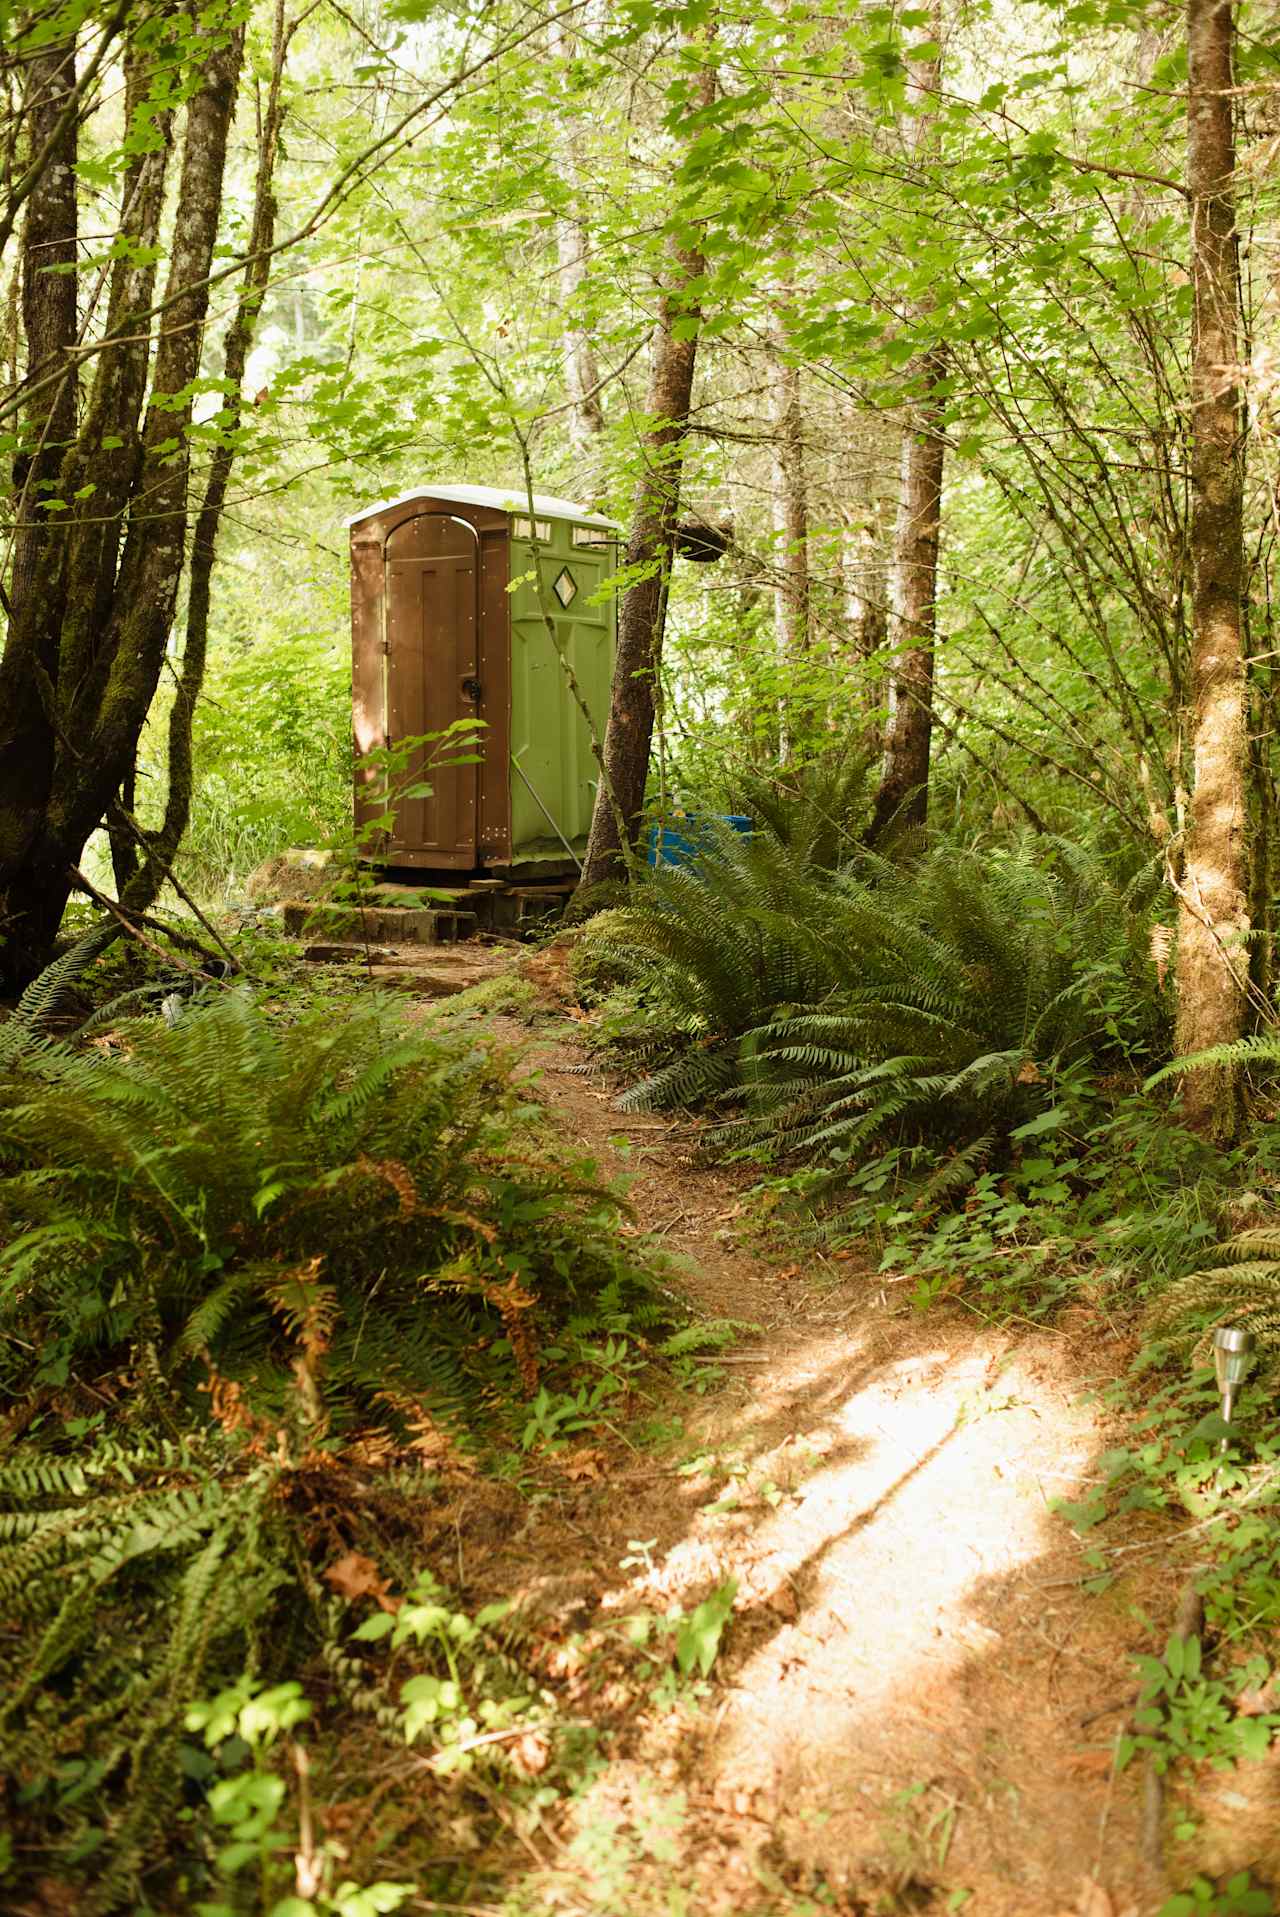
[[952, 337], [462, 235]]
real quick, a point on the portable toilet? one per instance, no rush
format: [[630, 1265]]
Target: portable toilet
[[447, 623]]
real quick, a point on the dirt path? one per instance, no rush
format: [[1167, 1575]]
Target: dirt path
[[915, 1704]]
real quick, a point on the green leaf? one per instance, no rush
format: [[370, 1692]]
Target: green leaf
[[1082, 1516], [1152, 1672], [375, 1627], [370, 1900], [1048, 1121], [698, 1638]]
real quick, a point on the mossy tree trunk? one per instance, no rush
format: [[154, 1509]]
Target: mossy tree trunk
[[161, 846], [1213, 912], [94, 581]]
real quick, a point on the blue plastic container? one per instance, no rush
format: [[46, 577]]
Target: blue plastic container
[[685, 847]]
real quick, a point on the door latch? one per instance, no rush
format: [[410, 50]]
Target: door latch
[[472, 688]]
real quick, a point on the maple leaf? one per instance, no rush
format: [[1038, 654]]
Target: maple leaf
[[582, 1464], [354, 1576]]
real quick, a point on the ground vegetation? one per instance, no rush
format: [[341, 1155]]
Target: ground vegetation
[[926, 360]]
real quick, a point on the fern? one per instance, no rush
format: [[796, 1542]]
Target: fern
[[1243, 1288], [819, 1010], [1259, 1050], [956, 1173], [109, 1552], [235, 1188], [817, 809], [48, 992], [277, 1239]]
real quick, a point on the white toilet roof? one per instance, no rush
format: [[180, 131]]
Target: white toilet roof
[[503, 498]]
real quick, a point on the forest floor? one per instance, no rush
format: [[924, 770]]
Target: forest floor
[[916, 1704]]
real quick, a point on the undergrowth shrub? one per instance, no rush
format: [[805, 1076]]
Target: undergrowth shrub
[[818, 808], [1240, 1283], [141, 1580], [295, 1257], [1098, 1196], [129, 1573], [271, 752], [940, 997], [231, 1191], [1241, 1286]]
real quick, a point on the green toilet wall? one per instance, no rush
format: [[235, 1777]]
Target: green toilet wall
[[550, 738]]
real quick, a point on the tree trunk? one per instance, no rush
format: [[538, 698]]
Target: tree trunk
[[1213, 912], [162, 845], [93, 609], [790, 525], [581, 368], [29, 667], [629, 732], [863, 572], [866, 510], [902, 799]]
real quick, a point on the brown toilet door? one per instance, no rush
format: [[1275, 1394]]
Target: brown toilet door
[[432, 636]]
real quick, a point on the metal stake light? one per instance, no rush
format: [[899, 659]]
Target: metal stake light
[[1232, 1356]]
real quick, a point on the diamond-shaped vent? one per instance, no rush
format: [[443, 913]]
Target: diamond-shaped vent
[[565, 586]]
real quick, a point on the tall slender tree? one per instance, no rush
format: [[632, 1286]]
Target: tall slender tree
[[790, 504], [1213, 889], [902, 798], [581, 365], [151, 855], [650, 544]]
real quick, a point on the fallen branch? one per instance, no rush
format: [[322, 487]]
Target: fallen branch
[[132, 923]]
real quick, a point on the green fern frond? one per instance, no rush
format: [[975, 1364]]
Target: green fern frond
[[1259, 1243], [1243, 1287], [967, 963], [1259, 1049], [957, 1173], [47, 992], [183, 1186]]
